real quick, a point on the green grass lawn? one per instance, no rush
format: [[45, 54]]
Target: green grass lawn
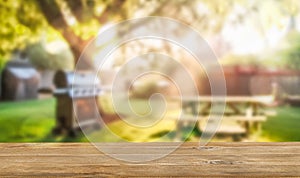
[[26, 121], [32, 121], [285, 126]]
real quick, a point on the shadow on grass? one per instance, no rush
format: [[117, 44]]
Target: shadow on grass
[[50, 137]]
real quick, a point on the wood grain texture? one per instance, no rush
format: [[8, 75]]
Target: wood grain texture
[[215, 159]]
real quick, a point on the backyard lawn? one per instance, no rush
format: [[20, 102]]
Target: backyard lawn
[[285, 126], [27, 121], [32, 121]]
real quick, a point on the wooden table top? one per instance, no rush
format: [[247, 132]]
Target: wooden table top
[[215, 159], [228, 99]]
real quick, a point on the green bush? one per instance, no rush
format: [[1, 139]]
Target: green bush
[[145, 90], [42, 59]]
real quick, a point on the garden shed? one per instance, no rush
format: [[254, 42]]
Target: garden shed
[[19, 81]]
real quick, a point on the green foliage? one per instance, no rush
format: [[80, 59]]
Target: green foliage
[[291, 53], [243, 60], [21, 23], [3, 61], [86, 30], [146, 89], [43, 59], [286, 55], [273, 61]]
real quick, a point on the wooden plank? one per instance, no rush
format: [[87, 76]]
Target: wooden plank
[[225, 129], [215, 159], [192, 118], [227, 99], [246, 118], [184, 118]]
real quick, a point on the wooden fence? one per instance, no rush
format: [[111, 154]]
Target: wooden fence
[[254, 81]]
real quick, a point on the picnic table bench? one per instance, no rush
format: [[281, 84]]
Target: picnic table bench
[[215, 159]]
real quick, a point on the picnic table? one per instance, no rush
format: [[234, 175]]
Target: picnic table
[[189, 160], [247, 111], [253, 103]]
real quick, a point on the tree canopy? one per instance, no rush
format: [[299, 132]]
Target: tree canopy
[[21, 23], [77, 22]]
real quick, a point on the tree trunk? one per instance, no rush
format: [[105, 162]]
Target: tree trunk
[[77, 45], [56, 19]]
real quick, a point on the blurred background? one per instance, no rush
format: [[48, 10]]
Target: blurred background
[[256, 42]]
